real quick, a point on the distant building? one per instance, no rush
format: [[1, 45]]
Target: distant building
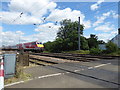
[[116, 39], [102, 46]]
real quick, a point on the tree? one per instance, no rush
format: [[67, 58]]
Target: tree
[[111, 47], [69, 33], [67, 28], [101, 42], [93, 41], [67, 38], [84, 43]]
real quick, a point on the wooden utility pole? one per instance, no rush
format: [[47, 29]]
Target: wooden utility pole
[[79, 33]]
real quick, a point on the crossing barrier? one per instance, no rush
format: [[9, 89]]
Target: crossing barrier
[[1, 73]]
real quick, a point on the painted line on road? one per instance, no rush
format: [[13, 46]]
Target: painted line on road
[[93, 67], [67, 72], [101, 65], [90, 67], [40, 77], [13, 83], [51, 75], [76, 70]]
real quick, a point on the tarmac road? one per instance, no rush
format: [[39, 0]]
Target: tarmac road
[[94, 74]]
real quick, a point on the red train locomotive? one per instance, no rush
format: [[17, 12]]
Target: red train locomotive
[[31, 46]]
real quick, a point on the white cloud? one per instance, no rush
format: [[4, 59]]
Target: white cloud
[[115, 15], [34, 7], [104, 16], [105, 36], [33, 11], [105, 28], [1, 35], [13, 18], [96, 5], [1, 28], [87, 24], [67, 13], [47, 32], [11, 38]]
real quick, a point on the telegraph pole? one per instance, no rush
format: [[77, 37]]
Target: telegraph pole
[[79, 33]]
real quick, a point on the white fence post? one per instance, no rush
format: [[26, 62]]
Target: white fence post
[[1, 73]]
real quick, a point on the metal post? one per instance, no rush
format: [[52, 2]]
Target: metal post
[[79, 34], [1, 73]]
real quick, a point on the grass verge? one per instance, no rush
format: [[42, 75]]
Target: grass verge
[[20, 75], [78, 52]]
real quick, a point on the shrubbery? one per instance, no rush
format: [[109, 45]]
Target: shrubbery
[[111, 47], [95, 51]]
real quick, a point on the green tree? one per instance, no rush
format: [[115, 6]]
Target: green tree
[[101, 42], [93, 41], [69, 33], [111, 47], [68, 28], [67, 38], [84, 43]]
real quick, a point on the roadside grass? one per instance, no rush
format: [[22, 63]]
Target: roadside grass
[[45, 52], [20, 75], [78, 52], [117, 53]]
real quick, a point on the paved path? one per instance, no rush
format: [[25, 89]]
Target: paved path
[[95, 74]]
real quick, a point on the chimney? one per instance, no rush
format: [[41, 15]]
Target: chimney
[[119, 31]]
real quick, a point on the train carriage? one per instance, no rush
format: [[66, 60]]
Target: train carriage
[[30, 46]]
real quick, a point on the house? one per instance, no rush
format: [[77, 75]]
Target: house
[[116, 39]]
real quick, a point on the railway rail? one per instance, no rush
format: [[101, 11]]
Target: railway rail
[[56, 58], [75, 57]]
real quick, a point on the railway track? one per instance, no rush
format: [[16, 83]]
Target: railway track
[[56, 58], [75, 57], [46, 60], [36, 57]]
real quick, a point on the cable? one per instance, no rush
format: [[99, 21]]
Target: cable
[[86, 12], [18, 16]]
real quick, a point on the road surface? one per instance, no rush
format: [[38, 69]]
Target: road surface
[[95, 74]]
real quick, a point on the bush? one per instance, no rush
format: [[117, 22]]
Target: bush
[[95, 51], [111, 47]]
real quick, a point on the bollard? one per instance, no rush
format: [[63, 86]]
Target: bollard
[[1, 74]]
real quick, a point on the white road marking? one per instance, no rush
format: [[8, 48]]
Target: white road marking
[[101, 65], [76, 70], [67, 72], [90, 67], [40, 77], [57, 74], [50, 75], [13, 83]]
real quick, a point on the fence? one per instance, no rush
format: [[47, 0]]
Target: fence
[[1, 73], [23, 59]]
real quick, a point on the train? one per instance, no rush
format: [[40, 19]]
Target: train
[[30, 46]]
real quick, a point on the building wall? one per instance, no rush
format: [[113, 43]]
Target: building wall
[[116, 40]]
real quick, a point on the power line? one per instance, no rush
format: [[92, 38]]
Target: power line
[[86, 12]]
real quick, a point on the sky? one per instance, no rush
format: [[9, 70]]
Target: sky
[[39, 20]]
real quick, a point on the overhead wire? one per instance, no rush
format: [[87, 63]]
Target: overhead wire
[[56, 22]]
